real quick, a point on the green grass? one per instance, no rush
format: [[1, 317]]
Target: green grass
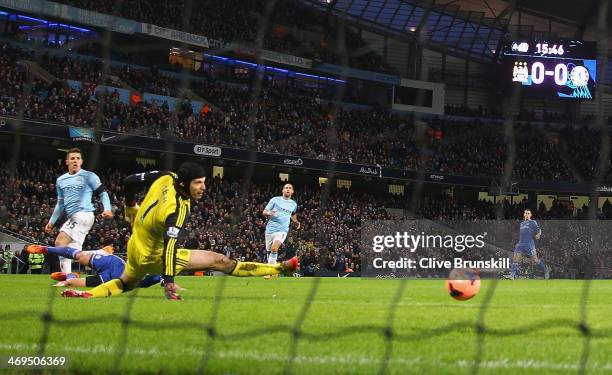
[[334, 339]]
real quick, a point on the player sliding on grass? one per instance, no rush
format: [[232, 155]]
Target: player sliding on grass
[[106, 265], [156, 227], [529, 232]]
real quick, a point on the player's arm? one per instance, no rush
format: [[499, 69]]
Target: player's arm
[[99, 189], [134, 183], [175, 223], [295, 221], [57, 211], [537, 231], [267, 212]]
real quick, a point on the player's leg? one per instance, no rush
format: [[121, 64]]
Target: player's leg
[[60, 251], [63, 240], [202, 260], [130, 277], [63, 251], [274, 243], [148, 281], [128, 280], [273, 254], [83, 257], [72, 234], [110, 288], [541, 264], [514, 268]]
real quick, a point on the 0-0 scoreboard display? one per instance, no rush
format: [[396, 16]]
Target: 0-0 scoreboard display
[[565, 69]]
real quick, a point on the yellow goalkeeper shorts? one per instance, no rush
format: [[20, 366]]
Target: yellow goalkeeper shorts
[[142, 261]]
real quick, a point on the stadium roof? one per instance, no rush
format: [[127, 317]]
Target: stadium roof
[[470, 28]]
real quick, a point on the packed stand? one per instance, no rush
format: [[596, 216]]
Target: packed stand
[[229, 219], [238, 21], [234, 223], [279, 120], [92, 71]]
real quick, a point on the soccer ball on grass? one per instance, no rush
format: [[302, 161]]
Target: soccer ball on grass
[[463, 284]]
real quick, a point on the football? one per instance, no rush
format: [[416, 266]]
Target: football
[[463, 284]]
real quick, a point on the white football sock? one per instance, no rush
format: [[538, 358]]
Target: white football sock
[[65, 265], [272, 257]]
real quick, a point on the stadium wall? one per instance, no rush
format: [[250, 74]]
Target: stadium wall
[[590, 107]]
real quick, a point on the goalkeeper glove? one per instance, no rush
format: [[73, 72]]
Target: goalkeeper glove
[[170, 289], [130, 213]]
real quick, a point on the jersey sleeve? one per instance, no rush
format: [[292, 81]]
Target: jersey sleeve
[[175, 223], [133, 183], [294, 208], [94, 181], [270, 205], [536, 228], [98, 188], [59, 205]]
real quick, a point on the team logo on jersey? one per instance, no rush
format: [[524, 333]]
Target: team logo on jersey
[[98, 256], [173, 232]]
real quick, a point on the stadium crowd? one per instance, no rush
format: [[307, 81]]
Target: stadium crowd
[[229, 220], [233, 223], [282, 121], [292, 27]]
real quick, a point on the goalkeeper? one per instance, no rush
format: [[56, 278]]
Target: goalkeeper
[[156, 227]]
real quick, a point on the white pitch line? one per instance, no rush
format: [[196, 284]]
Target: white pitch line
[[502, 363]]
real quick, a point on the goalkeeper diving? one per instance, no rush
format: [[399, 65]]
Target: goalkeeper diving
[[157, 224]]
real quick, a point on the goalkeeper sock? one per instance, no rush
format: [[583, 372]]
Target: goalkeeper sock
[[272, 256], [514, 270], [108, 289], [64, 251], [255, 269]]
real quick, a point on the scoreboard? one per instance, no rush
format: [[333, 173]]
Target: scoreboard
[[562, 68]]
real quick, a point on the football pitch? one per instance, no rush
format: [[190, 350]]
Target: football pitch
[[314, 326]]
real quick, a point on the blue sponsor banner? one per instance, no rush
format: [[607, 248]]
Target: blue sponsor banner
[[81, 134]]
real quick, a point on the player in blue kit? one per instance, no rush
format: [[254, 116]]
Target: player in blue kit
[[106, 265], [529, 232], [74, 197], [280, 211]]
